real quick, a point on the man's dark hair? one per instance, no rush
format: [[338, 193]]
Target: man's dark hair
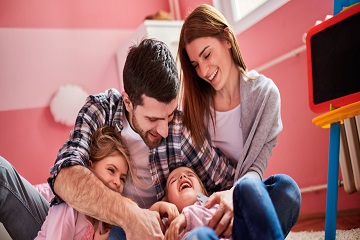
[[150, 69]]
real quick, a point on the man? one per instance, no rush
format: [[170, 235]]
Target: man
[[146, 115]]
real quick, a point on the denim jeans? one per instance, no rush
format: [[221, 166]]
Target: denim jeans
[[262, 209], [202, 233], [265, 209], [22, 209], [117, 233]]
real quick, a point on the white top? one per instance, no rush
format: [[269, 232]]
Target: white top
[[228, 122], [139, 153]]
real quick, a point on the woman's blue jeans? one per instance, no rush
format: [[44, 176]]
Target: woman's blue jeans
[[265, 209], [22, 209], [262, 209]]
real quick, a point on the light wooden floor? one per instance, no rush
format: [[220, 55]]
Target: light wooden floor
[[345, 220]]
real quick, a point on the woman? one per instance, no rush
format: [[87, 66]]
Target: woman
[[239, 111]]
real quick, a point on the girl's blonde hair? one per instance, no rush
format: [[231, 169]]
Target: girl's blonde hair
[[106, 142], [196, 94]]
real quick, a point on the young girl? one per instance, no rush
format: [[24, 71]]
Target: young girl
[[110, 162], [185, 194], [239, 112]]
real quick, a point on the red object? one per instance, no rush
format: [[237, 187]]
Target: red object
[[333, 53]]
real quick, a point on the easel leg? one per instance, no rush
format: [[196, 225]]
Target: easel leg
[[333, 175]]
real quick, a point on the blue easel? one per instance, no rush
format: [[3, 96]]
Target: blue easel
[[334, 119]]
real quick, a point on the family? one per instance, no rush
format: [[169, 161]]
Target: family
[[170, 157]]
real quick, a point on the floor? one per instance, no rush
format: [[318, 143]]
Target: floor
[[345, 220], [315, 222]]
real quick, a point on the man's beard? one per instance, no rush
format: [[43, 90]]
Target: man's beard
[[145, 135]]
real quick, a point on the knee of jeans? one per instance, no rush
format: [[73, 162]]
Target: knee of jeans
[[4, 163], [292, 188], [244, 187]]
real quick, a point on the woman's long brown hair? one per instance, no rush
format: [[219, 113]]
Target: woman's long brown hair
[[197, 96]]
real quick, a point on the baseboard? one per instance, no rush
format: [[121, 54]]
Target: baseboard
[[341, 213]]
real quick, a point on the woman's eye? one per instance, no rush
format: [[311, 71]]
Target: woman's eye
[[123, 179], [111, 170], [207, 55]]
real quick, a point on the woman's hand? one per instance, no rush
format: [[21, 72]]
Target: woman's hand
[[222, 221], [165, 209], [175, 228]]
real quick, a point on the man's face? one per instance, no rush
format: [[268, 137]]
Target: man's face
[[151, 119]]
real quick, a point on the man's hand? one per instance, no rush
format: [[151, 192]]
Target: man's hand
[[176, 227], [146, 224], [222, 221]]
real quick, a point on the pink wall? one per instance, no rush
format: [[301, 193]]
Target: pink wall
[[302, 151], [44, 45]]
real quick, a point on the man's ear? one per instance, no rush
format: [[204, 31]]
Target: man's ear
[[91, 164], [128, 104]]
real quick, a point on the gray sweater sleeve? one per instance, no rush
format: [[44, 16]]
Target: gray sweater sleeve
[[260, 121]]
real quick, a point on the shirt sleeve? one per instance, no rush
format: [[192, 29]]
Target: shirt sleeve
[[262, 124], [98, 110]]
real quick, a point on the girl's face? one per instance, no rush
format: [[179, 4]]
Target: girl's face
[[211, 59], [182, 186], [112, 171]]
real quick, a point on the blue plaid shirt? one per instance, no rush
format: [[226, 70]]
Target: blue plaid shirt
[[214, 169]]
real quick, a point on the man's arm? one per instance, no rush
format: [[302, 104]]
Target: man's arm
[[82, 190]]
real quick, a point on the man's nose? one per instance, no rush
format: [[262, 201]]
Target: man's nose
[[163, 129]]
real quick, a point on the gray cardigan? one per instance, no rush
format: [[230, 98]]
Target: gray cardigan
[[260, 122]]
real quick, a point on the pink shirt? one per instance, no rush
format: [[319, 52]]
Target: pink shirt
[[197, 215], [64, 222]]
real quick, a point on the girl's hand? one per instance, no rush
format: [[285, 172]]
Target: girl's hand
[[165, 209], [99, 236], [222, 221], [175, 228]]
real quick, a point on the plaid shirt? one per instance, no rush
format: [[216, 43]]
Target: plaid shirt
[[214, 169]]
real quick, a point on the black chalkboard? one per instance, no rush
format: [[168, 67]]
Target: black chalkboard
[[335, 62]]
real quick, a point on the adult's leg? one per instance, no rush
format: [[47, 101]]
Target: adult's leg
[[22, 209], [202, 233], [254, 214], [286, 198]]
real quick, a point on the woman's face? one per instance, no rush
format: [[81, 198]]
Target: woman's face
[[112, 171], [182, 186], [211, 59]]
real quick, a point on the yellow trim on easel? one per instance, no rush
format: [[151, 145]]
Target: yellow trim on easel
[[337, 115]]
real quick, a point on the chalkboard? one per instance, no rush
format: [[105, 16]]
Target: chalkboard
[[333, 51]]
